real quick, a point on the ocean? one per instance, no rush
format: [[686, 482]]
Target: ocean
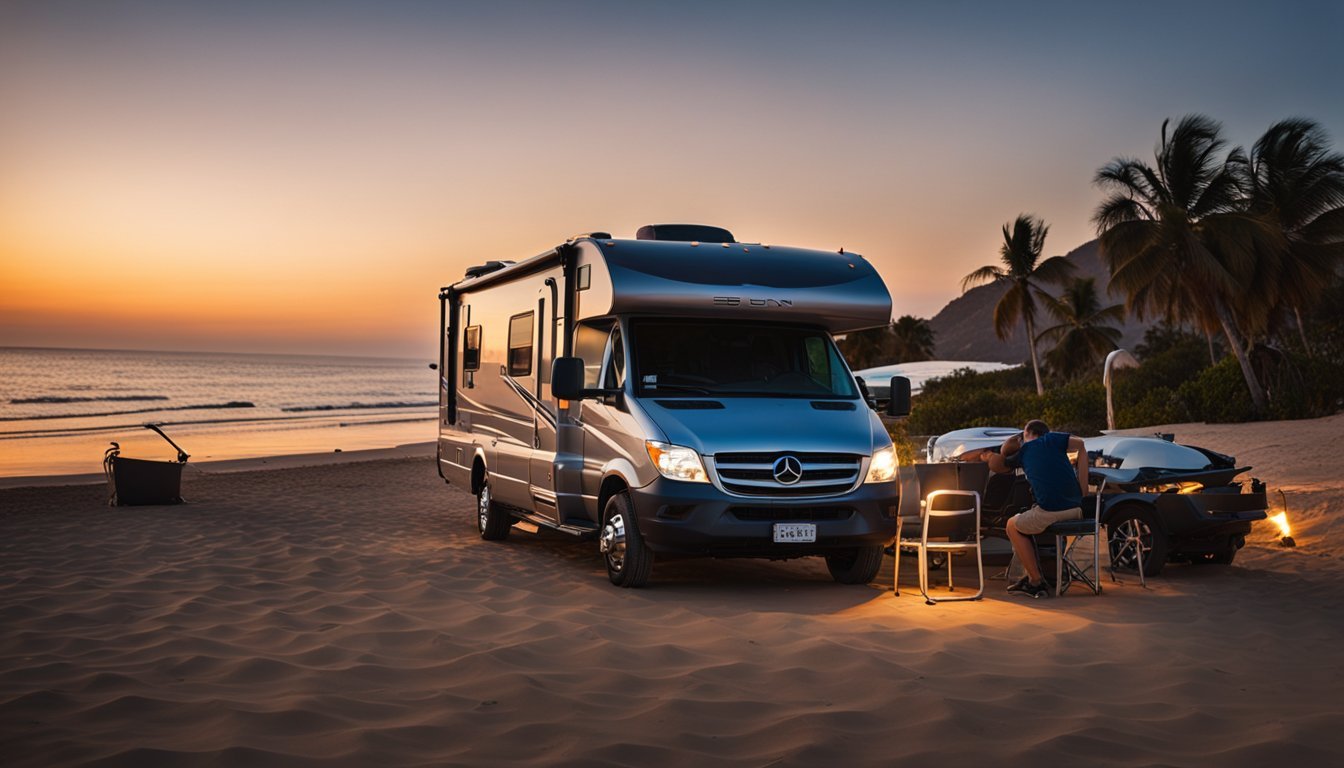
[[60, 408]]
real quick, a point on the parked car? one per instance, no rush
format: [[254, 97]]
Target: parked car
[[1181, 502]]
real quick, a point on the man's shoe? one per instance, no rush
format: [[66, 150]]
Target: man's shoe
[[1034, 591], [1020, 585]]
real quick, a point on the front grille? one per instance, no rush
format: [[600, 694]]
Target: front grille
[[790, 514], [752, 474]]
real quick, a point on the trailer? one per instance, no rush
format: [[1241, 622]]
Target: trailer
[[675, 394]]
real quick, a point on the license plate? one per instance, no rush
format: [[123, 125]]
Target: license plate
[[795, 533]]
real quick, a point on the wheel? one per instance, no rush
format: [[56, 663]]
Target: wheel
[[492, 522], [629, 560], [855, 566], [1133, 527]]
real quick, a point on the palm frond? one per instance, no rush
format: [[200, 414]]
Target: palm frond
[[985, 274]]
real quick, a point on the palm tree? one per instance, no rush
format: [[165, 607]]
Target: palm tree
[[1082, 337], [1297, 185], [1023, 241], [867, 348], [913, 339], [1176, 238]]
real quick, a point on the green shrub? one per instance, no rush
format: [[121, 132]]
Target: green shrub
[[1159, 405], [1218, 394], [1079, 408]]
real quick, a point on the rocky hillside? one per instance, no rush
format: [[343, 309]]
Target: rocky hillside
[[964, 329]]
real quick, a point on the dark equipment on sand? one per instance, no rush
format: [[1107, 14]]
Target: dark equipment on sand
[[139, 482]]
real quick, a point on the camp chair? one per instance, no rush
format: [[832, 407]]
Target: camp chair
[[953, 530], [1067, 535]]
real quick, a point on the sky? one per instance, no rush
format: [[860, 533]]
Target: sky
[[303, 176]]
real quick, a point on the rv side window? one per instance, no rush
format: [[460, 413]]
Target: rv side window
[[520, 345], [589, 344], [471, 349]]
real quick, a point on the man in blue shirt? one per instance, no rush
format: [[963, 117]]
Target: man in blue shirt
[[1057, 484]]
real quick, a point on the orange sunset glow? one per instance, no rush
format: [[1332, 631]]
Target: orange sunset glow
[[302, 179]]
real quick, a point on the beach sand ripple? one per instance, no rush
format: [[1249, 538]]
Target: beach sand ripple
[[349, 615]]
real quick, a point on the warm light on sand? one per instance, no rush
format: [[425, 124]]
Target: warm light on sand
[[1281, 520]]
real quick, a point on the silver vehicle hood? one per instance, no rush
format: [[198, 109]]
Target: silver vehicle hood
[[759, 424]]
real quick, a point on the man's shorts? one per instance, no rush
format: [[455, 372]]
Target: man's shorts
[[1036, 520]]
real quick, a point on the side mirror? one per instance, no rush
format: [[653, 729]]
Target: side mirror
[[899, 404], [567, 378]]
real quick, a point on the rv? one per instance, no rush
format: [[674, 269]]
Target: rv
[[675, 394]]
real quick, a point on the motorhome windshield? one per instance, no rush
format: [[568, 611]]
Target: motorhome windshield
[[703, 357]]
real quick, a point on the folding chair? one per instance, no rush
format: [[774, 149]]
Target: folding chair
[[961, 529], [1066, 565]]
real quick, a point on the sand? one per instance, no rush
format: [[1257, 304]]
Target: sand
[[349, 615]]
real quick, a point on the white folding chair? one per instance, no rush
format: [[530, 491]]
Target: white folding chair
[[960, 527]]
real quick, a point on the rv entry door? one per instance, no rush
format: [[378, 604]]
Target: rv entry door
[[542, 464]]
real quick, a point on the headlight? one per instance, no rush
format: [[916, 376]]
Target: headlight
[[677, 462], [883, 466]]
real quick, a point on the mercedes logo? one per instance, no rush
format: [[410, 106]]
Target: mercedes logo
[[788, 470]]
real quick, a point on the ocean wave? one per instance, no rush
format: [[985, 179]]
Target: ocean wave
[[52, 399], [207, 406], [357, 406]]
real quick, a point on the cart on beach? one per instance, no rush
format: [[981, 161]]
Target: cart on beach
[[141, 482]]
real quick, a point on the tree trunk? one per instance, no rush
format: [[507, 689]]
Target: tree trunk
[[1035, 366], [1302, 329], [1213, 359], [1239, 349]]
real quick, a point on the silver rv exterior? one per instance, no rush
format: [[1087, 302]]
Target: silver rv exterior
[[707, 411]]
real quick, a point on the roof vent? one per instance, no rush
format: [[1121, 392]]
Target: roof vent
[[487, 268], [591, 235], [684, 233]]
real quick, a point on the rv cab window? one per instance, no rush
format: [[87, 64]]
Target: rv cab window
[[590, 345], [615, 377]]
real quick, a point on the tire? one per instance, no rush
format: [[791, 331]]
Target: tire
[[1137, 524], [492, 522], [629, 560], [855, 566]]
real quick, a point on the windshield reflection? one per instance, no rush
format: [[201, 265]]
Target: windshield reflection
[[736, 359]]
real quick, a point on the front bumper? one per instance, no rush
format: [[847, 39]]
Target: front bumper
[[699, 519]]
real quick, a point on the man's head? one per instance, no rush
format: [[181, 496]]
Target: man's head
[[1034, 429]]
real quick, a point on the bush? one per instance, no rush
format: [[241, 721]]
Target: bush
[[1159, 405], [1079, 408], [1218, 394], [969, 399], [1171, 386]]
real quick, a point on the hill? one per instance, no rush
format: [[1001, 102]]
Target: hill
[[964, 329]]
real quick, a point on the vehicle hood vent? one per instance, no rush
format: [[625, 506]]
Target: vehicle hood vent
[[832, 405], [685, 233], [691, 405]]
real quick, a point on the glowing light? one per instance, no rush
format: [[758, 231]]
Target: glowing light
[[1281, 520]]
